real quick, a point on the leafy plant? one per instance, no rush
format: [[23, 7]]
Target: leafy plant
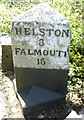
[[8, 11], [74, 13]]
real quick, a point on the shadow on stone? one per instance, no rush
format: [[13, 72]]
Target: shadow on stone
[[42, 101]]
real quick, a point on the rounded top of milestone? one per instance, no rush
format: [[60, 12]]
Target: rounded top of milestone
[[41, 39], [42, 13]]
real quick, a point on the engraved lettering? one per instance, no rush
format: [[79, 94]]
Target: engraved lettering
[[34, 32], [41, 42], [59, 54], [29, 52], [65, 53], [37, 52], [23, 52], [45, 52], [41, 61], [42, 31], [49, 30], [18, 31], [17, 50], [66, 32], [57, 32], [27, 31], [52, 53]]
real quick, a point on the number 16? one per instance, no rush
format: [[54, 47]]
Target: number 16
[[41, 61]]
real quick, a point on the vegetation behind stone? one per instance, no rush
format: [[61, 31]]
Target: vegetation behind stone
[[74, 12]]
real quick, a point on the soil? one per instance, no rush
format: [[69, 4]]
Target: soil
[[58, 112], [9, 105]]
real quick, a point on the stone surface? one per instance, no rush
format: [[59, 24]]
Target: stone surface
[[5, 40], [41, 43], [73, 114], [9, 105], [7, 59], [39, 95], [81, 113]]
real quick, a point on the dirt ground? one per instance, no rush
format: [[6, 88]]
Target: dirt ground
[[9, 105]]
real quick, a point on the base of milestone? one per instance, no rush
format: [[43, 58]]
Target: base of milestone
[[39, 99]]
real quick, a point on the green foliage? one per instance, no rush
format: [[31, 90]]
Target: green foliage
[[73, 12], [8, 11], [74, 15], [7, 14]]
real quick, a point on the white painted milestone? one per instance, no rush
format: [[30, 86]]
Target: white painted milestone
[[41, 39]]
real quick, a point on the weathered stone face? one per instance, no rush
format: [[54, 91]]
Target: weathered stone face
[[40, 42], [41, 39]]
